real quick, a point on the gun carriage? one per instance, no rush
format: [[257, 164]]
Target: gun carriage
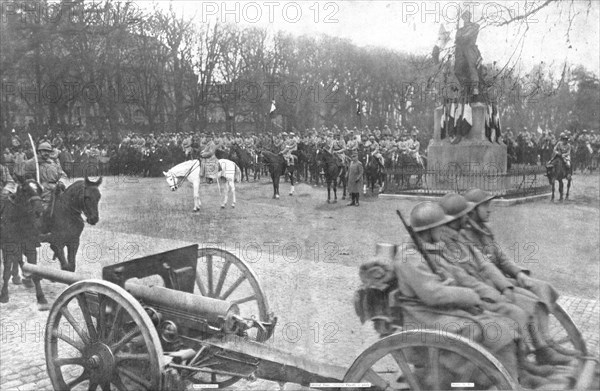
[[187, 326]]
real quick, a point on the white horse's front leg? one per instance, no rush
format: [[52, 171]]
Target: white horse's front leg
[[225, 194], [232, 187], [197, 202]]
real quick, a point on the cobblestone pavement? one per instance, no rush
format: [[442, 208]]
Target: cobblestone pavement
[[312, 299]]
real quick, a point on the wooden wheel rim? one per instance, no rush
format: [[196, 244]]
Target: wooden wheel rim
[[98, 353], [219, 291], [361, 367], [216, 289]]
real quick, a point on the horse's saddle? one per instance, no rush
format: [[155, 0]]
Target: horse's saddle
[[210, 167]]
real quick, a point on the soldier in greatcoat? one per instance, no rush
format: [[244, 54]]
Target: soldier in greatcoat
[[476, 232], [512, 320], [508, 300], [355, 179], [436, 300]]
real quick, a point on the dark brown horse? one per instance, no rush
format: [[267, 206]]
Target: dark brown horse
[[557, 171], [332, 171], [278, 167], [242, 158], [66, 222], [19, 223]]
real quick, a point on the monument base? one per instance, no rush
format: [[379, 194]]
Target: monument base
[[474, 161], [467, 156]]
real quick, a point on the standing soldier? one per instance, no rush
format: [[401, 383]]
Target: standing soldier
[[355, 179], [51, 174]]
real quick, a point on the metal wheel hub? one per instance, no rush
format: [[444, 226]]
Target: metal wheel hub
[[101, 361]]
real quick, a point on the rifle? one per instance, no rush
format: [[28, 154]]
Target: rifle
[[475, 310], [417, 241]]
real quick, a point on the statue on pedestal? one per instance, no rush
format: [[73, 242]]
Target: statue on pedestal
[[467, 57]]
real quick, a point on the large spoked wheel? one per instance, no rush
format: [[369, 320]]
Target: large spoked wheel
[[427, 360], [222, 275], [98, 337], [565, 337]]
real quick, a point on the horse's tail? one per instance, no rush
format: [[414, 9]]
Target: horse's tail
[[238, 174]]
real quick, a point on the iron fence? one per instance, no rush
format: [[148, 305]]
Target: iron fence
[[519, 181]]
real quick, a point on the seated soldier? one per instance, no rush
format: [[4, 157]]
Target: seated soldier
[[476, 232], [562, 150], [441, 300], [508, 300], [432, 230]]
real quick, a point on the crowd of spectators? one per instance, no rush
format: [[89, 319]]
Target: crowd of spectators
[[81, 152]]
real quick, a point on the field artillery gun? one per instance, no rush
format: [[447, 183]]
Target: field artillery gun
[[164, 321]]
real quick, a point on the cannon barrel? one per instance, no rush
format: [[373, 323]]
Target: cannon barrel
[[190, 309]]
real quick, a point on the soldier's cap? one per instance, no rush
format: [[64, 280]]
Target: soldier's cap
[[45, 147], [371, 137], [292, 134], [427, 215], [478, 196], [284, 133], [455, 205]]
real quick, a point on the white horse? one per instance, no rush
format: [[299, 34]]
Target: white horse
[[190, 170]]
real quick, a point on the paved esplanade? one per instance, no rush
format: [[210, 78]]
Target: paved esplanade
[[311, 298]]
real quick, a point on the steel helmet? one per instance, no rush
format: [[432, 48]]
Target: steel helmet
[[45, 146], [455, 205], [564, 135], [427, 215], [478, 196]]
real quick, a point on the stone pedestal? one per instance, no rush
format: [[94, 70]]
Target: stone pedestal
[[474, 154]]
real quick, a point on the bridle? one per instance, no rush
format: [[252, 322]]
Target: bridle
[[177, 181]]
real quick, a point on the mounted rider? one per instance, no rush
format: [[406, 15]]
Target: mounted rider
[[209, 164], [352, 144], [562, 150], [337, 147], [51, 174], [289, 144], [375, 151]]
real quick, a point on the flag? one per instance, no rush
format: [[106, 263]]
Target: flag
[[465, 122], [496, 121], [443, 37], [273, 108], [442, 41], [488, 122], [443, 122]]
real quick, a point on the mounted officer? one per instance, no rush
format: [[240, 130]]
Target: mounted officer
[[51, 174], [289, 145], [375, 151], [562, 150], [209, 166], [337, 148]]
